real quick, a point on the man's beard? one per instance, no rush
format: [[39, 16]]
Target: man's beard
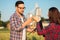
[[21, 14]]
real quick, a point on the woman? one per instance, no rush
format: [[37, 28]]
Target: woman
[[52, 31]]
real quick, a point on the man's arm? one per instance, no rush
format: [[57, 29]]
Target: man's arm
[[17, 26]]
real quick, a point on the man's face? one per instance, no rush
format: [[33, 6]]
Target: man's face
[[20, 8]]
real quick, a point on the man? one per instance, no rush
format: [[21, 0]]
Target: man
[[18, 24]]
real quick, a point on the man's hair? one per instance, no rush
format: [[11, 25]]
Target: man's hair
[[18, 2]]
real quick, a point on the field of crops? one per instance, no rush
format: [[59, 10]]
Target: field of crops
[[5, 35]]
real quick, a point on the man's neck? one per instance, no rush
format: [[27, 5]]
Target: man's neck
[[20, 15]]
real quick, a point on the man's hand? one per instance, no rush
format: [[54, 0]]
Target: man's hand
[[32, 31], [36, 18]]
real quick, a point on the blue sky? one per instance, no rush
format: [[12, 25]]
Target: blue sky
[[7, 7]]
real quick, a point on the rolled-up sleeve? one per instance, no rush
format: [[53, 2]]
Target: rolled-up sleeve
[[15, 24]]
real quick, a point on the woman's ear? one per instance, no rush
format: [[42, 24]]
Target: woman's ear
[[48, 14]]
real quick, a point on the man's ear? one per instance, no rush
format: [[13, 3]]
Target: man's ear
[[16, 8]]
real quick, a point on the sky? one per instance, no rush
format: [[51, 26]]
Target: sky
[[7, 7]]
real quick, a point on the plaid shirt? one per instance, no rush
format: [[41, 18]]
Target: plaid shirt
[[51, 32], [15, 23]]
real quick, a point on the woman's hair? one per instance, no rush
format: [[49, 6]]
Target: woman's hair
[[54, 15]]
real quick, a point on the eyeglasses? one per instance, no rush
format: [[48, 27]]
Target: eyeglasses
[[21, 7]]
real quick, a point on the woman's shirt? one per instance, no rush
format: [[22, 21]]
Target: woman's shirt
[[51, 32]]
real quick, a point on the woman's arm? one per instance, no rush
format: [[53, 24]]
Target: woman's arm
[[44, 30]]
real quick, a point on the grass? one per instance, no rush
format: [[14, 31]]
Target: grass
[[34, 36], [5, 35]]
